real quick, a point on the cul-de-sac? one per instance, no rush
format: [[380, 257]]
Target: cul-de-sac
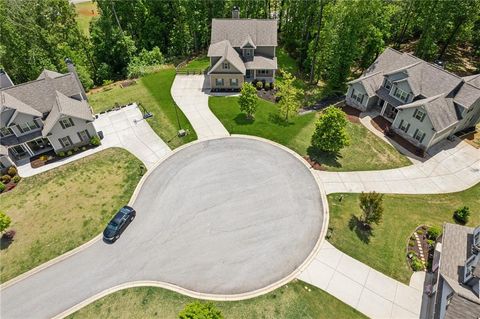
[[240, 159]]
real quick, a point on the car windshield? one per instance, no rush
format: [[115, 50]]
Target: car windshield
[[112, 225]]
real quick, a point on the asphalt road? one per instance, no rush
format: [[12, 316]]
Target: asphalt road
[[222, 217]]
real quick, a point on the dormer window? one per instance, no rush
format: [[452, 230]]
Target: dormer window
[[226, 65], [400, 94], [387, 84], [247, 52]]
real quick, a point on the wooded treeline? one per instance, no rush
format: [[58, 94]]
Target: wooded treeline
[[328, 38]]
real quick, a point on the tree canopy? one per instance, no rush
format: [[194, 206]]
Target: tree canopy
[[248, 100], [330, 133]]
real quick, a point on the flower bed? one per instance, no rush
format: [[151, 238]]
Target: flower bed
[[420, 248]]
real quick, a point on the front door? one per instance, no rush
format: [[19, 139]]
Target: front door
[[249, 74]]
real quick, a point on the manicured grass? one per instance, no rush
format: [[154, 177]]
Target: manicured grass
[[153, 92], [199, 63], [60, 209], [291, 301], [385, 249], [86, 11], [366, 151]]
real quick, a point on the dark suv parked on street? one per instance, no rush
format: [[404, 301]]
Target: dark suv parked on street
[[118, 223]]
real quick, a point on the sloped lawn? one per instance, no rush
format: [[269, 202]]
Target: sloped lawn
[[291, 301], [385, 248], [366, 151], [153, 92], [60, 209]]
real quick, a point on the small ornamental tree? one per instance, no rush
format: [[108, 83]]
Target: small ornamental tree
[[199, 310], [5, 221], [371, 205], [289, 101], [461, 215], [248, 100], [330, 131]]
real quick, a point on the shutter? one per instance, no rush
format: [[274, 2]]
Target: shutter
[[20, 129], [71, 121], [79, 137], [361, 101], [415, 113], [415, 134], [408, 126], [62, 125], [61, 142], [423, 136], [69, 140], [88, 134], [423, 117], [395, 91], [406, 99], [353, 91], [400, 126]]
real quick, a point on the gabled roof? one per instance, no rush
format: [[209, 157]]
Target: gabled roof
[[248, 42], [467, 95], [473, 80], [371, 82], [460, 307], [8, 101], [40, 94], [260, 62], [66, 106], [263, 32], [48, 74], [440, 111], [5, 80], [230, 55]]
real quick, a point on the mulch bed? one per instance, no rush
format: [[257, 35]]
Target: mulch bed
[[353, 115], [313, 164], [383, 126], [267, 95], [427, 250]]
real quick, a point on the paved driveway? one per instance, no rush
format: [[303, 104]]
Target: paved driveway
[[221, 217], [190, 94]]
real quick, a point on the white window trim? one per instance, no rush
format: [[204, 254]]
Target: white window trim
[[5, 131], [67, 143], [66, 122], [232, 82], [385, 84], [419, 135], [402, 92], [219, 79], [30, 126]]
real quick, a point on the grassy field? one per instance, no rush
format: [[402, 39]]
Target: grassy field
[[59, 210], [199, 63], [291, 301], [86, 11], [153, 92], [373, 152], [385, 248]]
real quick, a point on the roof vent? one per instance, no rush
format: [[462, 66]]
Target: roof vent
[[236, 12], [440, 64]]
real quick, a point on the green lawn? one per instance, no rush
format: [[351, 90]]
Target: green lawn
[[153, 92], [86, 11], [59, 210], [291, 301], [366, 151], [199, 63], [385, 249]]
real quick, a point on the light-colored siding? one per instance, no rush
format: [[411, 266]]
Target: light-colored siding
[[58, 132], [226, 79], [471, 118], [5, 161], [403, 85], [24, 118], [222, 70], [426, 126], [265, 51], [358, 87], [5, 117]]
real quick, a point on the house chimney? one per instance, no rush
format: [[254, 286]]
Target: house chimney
[[71, 69], [236, 12]]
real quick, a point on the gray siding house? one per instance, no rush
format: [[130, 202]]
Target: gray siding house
[[49, 113], [424, 102], [242, 50]]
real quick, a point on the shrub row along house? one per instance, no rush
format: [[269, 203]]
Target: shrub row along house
[[49, 113], [241, 50], [423, 102], [456, 264]]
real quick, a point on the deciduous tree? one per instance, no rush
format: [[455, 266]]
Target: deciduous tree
[[5, 221], [330, 130], [289, 102], [248, 100], [371, 205]]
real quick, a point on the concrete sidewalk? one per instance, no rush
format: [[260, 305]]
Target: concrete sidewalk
[[124, 128], [190, 94], [453, 167], [361, 286]]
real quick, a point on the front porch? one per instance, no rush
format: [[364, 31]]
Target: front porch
[[22, 152], [260, 75]]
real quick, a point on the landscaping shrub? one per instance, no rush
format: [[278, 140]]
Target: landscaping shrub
[[431, 242], [84, 148], [70, 153], [420, 232], [199, 310], [267, 86], [411, 243], [16, 179], [12, 171], [461, 215], [95, 140], [330, 133], [2, 187], [76, 149], [416, 264], [259, 85], [272, 86], [433, 232], [61, 154], [6, 179]]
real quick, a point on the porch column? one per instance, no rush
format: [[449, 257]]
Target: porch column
[[25, 145], [383, 108], [254, 74]]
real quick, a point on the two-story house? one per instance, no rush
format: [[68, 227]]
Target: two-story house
[[424, 102], [49, 113], [241, 50], [456, 265]]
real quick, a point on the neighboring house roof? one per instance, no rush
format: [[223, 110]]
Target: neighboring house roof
[[8, 101], [5, 80], [440, 111], [66, 106], [263, 32], [473, 80], [456, 249], [49, 74], [261, 62], [467, 95], [40, 94], [230, 55], [460, 307]]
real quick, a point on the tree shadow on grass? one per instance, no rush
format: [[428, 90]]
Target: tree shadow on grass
[[325, 158], [5, 243], [242, 119], [278, 120], [363, 233]]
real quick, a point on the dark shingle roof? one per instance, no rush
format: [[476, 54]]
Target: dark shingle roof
[[461, 308], [263, 32]]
